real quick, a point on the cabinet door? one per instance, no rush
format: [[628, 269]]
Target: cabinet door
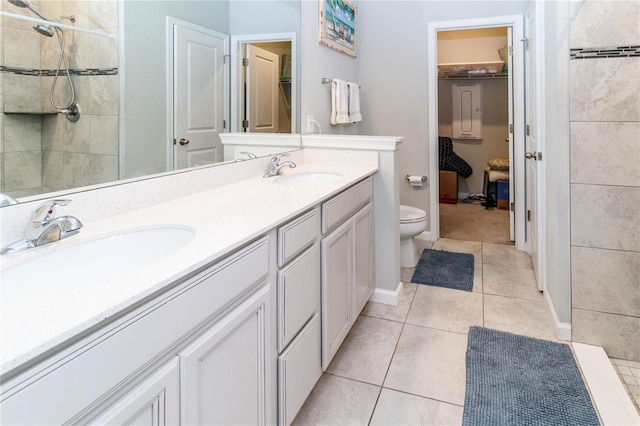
[[337, 294], [224, 377], [363, 257], [155, 401]]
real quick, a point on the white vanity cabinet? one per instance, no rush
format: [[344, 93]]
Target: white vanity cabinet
[[299, 364], [199, 347], [223, 373], [347, 263]]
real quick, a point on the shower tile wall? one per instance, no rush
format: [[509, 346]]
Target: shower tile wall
[[21, 147], [71, 154], [605, 175]]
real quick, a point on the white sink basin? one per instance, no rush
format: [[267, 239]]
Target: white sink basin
[[306, 178], [77, 267]]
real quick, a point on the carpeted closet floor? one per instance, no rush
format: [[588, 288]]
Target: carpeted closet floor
[[472, 222]]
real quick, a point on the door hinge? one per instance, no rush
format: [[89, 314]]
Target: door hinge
[[224, 124], [245, 62], [510, 128], [226, 59], [529, 215], [245, 124], [528, 130], [512, 207], [526, 43], [510, 50]]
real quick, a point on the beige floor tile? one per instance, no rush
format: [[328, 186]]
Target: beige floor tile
[[338, 401], [397, 408], [518, 316], [458, 246], [504, 255], [406, 274], [366, 352], [478, 282], [445, 309], [390, 312], [511, 282], [429, 363]]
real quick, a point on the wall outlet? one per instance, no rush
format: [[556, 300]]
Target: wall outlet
[[310, 121]]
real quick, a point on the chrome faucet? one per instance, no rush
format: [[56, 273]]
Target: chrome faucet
[[7, 200], [275, 165], [44, 227]]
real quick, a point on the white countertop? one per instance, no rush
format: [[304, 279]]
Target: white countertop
[[223, 219]]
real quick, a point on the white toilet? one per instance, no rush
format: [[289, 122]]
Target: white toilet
[[412, 222]]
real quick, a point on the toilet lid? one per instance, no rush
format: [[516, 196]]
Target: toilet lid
[[411, 214]]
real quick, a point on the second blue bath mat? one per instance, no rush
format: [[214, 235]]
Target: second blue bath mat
[[445, 269]]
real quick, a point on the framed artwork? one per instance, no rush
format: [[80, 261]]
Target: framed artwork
[[338, 25]]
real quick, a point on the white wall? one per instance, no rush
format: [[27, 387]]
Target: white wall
[[495, 128], [320, 61], [556, 136], [391, 67]]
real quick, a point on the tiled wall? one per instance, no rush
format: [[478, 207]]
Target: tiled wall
[[45, 152], [605, 175]]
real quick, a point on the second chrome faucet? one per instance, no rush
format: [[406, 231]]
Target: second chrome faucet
[[44, 227], [275, 166]]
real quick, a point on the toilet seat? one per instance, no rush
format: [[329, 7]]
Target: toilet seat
[[410, 214]]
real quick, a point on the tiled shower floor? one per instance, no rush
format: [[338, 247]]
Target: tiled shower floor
[[629, 374]]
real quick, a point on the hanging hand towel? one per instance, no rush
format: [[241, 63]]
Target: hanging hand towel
[[339, 102], [354, 103]]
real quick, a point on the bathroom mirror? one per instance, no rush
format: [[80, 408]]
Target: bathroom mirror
[[121, 85]]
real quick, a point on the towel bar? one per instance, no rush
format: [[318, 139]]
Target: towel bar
[[326, 80]]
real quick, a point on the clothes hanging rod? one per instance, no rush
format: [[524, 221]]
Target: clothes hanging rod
[[326, 80]]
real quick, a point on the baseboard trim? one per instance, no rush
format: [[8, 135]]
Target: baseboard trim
[[563, 329], [388, 297]]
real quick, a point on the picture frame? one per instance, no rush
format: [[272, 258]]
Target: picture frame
[[338, 25]]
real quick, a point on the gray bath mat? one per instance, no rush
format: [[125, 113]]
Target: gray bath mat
[[445, 269], [518, 380]]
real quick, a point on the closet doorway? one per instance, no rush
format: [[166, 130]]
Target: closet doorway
[[509, 133], [264, 96], [473, 129]]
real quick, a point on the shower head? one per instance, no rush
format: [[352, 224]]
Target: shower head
[[45, 30], [23, 3], [19, 3]]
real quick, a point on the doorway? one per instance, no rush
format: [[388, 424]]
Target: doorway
[[514, 25], [264, 98], [474, 103], [198, 86]]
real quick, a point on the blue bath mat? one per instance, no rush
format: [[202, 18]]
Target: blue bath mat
[[518, 380], [445, 269]]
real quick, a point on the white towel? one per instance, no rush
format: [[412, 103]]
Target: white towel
[[354, 103], [339, 102]]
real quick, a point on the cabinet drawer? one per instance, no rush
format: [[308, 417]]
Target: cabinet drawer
[[77, 381], [296, 236], [298, 295], [336, 210], [298, 371]]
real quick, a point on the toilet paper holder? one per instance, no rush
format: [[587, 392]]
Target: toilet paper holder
[[408, 178]]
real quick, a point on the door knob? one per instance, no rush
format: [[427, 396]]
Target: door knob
[[530, 155], [184, 141]]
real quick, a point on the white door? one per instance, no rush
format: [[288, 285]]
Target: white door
[[532, 155], [262, 93], [512, 174], [199, 94]]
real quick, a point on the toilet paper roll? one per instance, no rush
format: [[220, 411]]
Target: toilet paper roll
[[415, 180]]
